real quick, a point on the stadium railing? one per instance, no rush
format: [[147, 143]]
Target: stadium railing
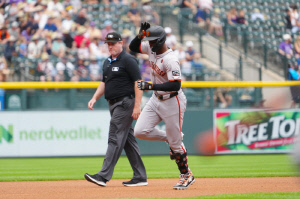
[[200, 94]]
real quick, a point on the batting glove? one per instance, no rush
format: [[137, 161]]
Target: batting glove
[[142, 85], [142, 32]]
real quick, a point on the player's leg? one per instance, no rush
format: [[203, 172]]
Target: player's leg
[[145, 125], [173, 123], [133, 154]]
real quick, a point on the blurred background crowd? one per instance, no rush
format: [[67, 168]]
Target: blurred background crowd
[[55, 40]]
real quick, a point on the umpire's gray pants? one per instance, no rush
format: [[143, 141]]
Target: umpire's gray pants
[[121, 136]]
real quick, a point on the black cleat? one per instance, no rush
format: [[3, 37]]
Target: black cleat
[[97, 179], [135, 183]]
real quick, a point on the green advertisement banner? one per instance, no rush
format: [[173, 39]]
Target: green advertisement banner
[[255, 131]]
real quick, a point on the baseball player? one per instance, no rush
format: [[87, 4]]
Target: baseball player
[[167, 103]]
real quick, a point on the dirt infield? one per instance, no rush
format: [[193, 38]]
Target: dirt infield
[[157, 188]]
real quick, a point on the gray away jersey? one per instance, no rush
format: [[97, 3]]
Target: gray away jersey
[[164, 67]]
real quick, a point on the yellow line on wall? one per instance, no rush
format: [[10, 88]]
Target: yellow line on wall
[[195, 84]]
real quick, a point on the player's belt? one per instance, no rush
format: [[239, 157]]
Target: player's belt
[[167, 96], [113, 101]]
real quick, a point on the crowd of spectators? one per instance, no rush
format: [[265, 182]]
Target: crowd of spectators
[[62, 41]]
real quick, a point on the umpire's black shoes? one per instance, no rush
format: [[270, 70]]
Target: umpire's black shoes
[[135, 183], [97, 179]]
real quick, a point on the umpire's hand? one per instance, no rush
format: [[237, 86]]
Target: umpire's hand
[[142, 85], [91, 103]]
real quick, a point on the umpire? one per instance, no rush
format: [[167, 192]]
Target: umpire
[[119, 84]]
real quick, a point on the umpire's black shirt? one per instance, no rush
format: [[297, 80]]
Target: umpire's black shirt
[[119, 76]]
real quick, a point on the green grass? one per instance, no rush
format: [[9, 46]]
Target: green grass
[[28, 169]]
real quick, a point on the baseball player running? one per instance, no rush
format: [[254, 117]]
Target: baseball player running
[[167, 103]]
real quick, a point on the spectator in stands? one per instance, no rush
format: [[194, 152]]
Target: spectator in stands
[[94, 69], [82, 71], [67, 23], [232, 16], [79, 38], [191, 56], [10, 50], [46, 69], [201, 18], [241, 18], [32, 23], [180, 53], [3, 4], [221, 98], [27, 33], [126, 38], [68, 7], [37, 3], [171, 40], [23, 47], [83, 50], [288, 23], [14, 30], [93, 31], [4, 35], [13, 11], [205, 5], [296, 28], [64, 70], [81, 17], [134, 14], [257, 15], [50, 25], [92, 2], [186, 66], [58, 48], [84, 75], [216, 25], [148, 13], [42, 16], [48, 43], [285, 47], [2, 18], [293, 75], [95, 49], [188, 4], [76, 5], [146, 70], [107, 29], [67, 39], [4, 71], [294, 15], [55, 6], [73, 51], [297, 47], [35, 47]]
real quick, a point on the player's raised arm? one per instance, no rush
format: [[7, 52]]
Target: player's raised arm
[[136, 42]]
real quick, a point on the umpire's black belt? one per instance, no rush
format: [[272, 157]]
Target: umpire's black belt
[[113, 101], [167, 96]]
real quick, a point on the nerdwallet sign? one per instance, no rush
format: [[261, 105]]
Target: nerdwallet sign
[[53, 133]]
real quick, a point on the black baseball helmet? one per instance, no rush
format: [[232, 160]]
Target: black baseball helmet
[[156, 33]]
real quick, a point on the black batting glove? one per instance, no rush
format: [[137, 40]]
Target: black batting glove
[[142, 32], [142, 85]]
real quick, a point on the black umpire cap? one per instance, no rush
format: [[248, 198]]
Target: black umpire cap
[[113, 37]]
